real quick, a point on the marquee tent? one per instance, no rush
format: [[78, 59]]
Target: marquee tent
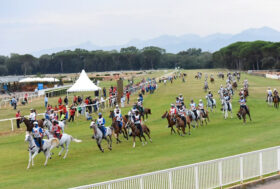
[[83, 84]]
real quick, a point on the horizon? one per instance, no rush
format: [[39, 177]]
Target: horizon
[[31, 26]]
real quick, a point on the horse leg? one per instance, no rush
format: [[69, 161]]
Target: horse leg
[[33, 156], [62, 149], [118, 140], [67, 148], [110, 139], [144, 138], [133, 141], [30, 159], [173, 130], [141, 140], [99, 145], [47, 154]]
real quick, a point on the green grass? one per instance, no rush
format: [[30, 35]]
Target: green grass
[[85, 164]]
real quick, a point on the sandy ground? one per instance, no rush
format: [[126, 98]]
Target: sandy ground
[[270, 185]]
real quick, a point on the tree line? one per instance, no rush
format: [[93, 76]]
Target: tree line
[[129, 58], [256, 55]]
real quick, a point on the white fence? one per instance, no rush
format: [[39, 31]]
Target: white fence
[[208, 174]]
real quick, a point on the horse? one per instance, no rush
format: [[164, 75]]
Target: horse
[[205, 87], [136, 132], [29, 125], [242, 114], [146, 111], [210, 103], [226, 106], [246, 92], [269, 100], [33, 149], [212, 80], [171, 121], [117, 129], [190, 117], [180, 125], [64, 140], [203, 116], [276, 101], [234, 85], [98, 135], [47, 123]]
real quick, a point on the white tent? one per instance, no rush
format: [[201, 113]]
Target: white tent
[[83, 84]]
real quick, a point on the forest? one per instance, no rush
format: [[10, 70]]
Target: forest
[[254, 55]]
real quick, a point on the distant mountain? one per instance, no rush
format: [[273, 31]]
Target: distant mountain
[[175, 44]]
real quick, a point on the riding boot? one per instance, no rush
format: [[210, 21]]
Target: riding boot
[[40, 144]]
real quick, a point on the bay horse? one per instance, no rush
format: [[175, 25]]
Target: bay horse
[[136, 132], [212, 80], [276, 101], [146, 111], [177, 122], [242, 114], [118, 130], [234, 85], [29, 125], [171, 122]]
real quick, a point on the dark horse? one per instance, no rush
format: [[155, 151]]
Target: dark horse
[[29, 125], [180, 125], [136, 132], [242, 114], [276, 101], [146, 111], [118, 130]]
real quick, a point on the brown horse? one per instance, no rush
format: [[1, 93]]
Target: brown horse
[[136, 132], [276, 101], [234, 85], [175, 121], [212, 80], [204, 116], [246, 93], [29, 125], [146, 111], [118, 130], [242, 114]]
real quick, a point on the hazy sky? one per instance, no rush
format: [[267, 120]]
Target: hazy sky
[[32, 25]]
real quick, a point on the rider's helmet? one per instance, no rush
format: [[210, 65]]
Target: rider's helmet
[[191, 100], [100, 114], [274, 89], [117, 106], [268, 88], [35, 123], [209, 92], [180, 95], [172, 105], [200, 100]]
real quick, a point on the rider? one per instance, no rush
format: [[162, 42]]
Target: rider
[[56, 129], [47, 115], [227, 99], [38, 134], [242, 103], [269, 93], [275, 92], [201, 106], [119, 119], [101, 124], [137, 121], [140, 105], [117, 109], [178, 102], [193, 108], [32, 116], [173, 111], [182, 113], [210, 96], [181, 98]]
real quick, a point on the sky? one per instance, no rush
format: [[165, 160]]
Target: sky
[[31, 25]]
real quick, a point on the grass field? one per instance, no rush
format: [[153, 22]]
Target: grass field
[[85, 164]]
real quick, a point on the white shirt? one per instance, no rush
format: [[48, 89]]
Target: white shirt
[[193, 105], [200, 105], [32, 116]]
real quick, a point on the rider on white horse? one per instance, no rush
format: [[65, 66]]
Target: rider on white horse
[[210, 95], [193, 108], [269, 92], [227, 100], [101, 124], [56, 130], [38, 135]]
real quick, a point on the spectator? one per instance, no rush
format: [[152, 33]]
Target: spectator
[[88, 116], [18, 118], [104, 92], [75, 100], [66, 100], [102, 101], [26, 98], [127, 96], [59, 101], [14, 103], [46, 101], [122, 101], [72, 114]]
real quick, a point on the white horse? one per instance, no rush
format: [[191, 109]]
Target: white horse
[[33, 149], [210, 104], [269, 100], [226, 107], [47, 123], [98, 135]]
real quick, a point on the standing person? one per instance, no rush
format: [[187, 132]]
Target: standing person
[[26, 98], [127, 96], [46, 101], [72, 114], [75, 99], [59, 101], [18, 118], [104, 92], [66, 100], [14, 103]]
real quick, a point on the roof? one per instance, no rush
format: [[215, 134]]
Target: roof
[[83, 84], [9, 79], [38, 79]]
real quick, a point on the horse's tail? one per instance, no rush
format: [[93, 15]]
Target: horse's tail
[[54, 142], [75, 140]]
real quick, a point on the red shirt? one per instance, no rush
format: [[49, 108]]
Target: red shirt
[[64, 110], [55, 108], [56, 128], [72, 112], [59, 101], [128, 94], [18, 115], [86, 101], [75, 99]]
